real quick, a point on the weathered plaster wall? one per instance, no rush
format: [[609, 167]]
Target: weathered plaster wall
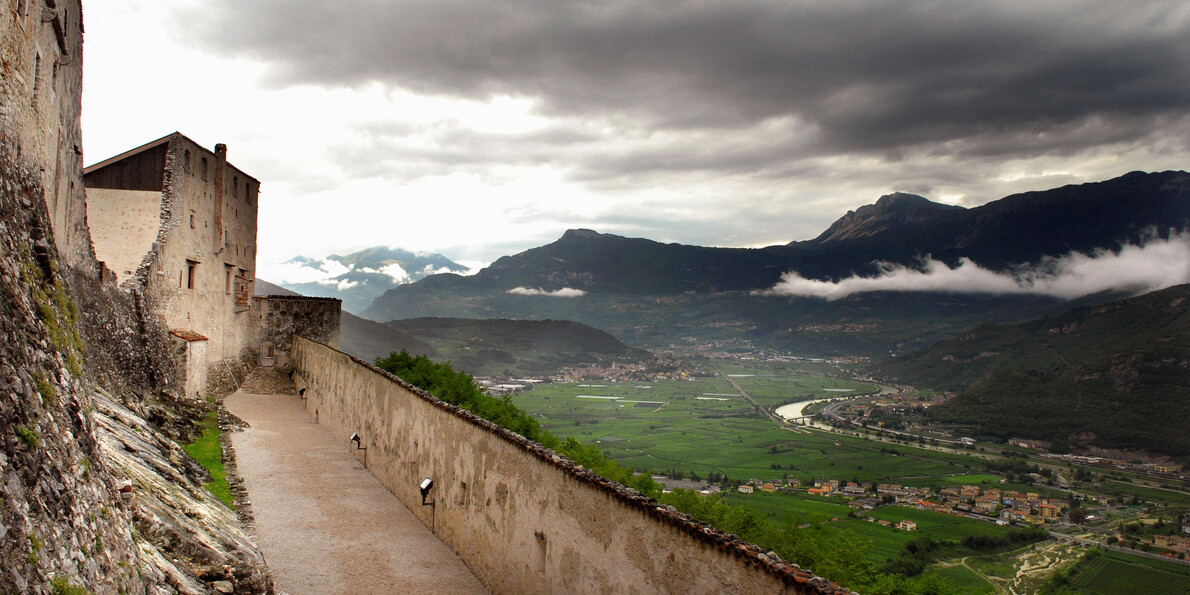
[[190, 353], [124, 225], [524, 519]]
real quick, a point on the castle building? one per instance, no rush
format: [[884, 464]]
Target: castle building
[[177, 223]]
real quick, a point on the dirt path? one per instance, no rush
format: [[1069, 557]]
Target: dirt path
[[324, 523]]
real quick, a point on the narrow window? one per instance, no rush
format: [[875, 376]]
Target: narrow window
[[191, 270], [204, 169], [235, 186], [228, 273], [248, 192], [36, 78]]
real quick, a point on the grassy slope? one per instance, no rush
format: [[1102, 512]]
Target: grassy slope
[[209, 452]]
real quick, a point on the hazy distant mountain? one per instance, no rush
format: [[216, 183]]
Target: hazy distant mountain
[[504, 347], [651, 293], [359, 277], [360, 337], [1114, 375]]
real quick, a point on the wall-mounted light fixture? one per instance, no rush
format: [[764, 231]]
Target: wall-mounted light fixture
[[359, 446], [427, 484]]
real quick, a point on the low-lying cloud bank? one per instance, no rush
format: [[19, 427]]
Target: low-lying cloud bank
[[1155, 265], [565, 292]]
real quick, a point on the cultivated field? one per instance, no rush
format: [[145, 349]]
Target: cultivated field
[[1113, 573], [706, 426]]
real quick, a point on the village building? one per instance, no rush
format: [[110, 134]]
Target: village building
[[1172, 542], [1050, 512], [907, 525], [851, 489]]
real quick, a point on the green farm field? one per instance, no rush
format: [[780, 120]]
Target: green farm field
[[887, 542], [1114, 573], [705, 426]]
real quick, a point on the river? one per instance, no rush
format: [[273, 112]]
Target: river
[[794, 410]]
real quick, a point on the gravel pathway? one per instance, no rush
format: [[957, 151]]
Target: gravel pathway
[[324, 523]]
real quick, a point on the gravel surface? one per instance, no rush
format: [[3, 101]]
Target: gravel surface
[[324, 523], [269, 381]]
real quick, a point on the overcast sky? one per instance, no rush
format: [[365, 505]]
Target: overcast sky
[[479, 128]]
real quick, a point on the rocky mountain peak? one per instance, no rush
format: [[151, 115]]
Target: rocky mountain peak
[[891, 211], [575, 234]]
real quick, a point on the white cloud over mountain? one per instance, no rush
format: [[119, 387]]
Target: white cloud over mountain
[[565, 292], [1157, 264]]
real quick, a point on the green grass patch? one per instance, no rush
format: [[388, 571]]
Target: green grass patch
[[29, 436], [1150, 494], [964, 579], [62, 586], [999, 565], [780, 506], [209, 453]]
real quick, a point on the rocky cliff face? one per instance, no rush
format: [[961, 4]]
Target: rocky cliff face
[[189, 541], [59, 514]]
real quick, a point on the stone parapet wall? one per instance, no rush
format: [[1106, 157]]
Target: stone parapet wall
[[522, 517]]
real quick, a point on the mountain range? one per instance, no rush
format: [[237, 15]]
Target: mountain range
[[652, 294], [360, 277]]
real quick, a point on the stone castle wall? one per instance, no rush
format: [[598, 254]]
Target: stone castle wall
[[41, 45], [281, 317], [524, 519]]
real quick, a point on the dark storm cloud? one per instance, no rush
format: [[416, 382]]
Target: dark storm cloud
[[984, 78]]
